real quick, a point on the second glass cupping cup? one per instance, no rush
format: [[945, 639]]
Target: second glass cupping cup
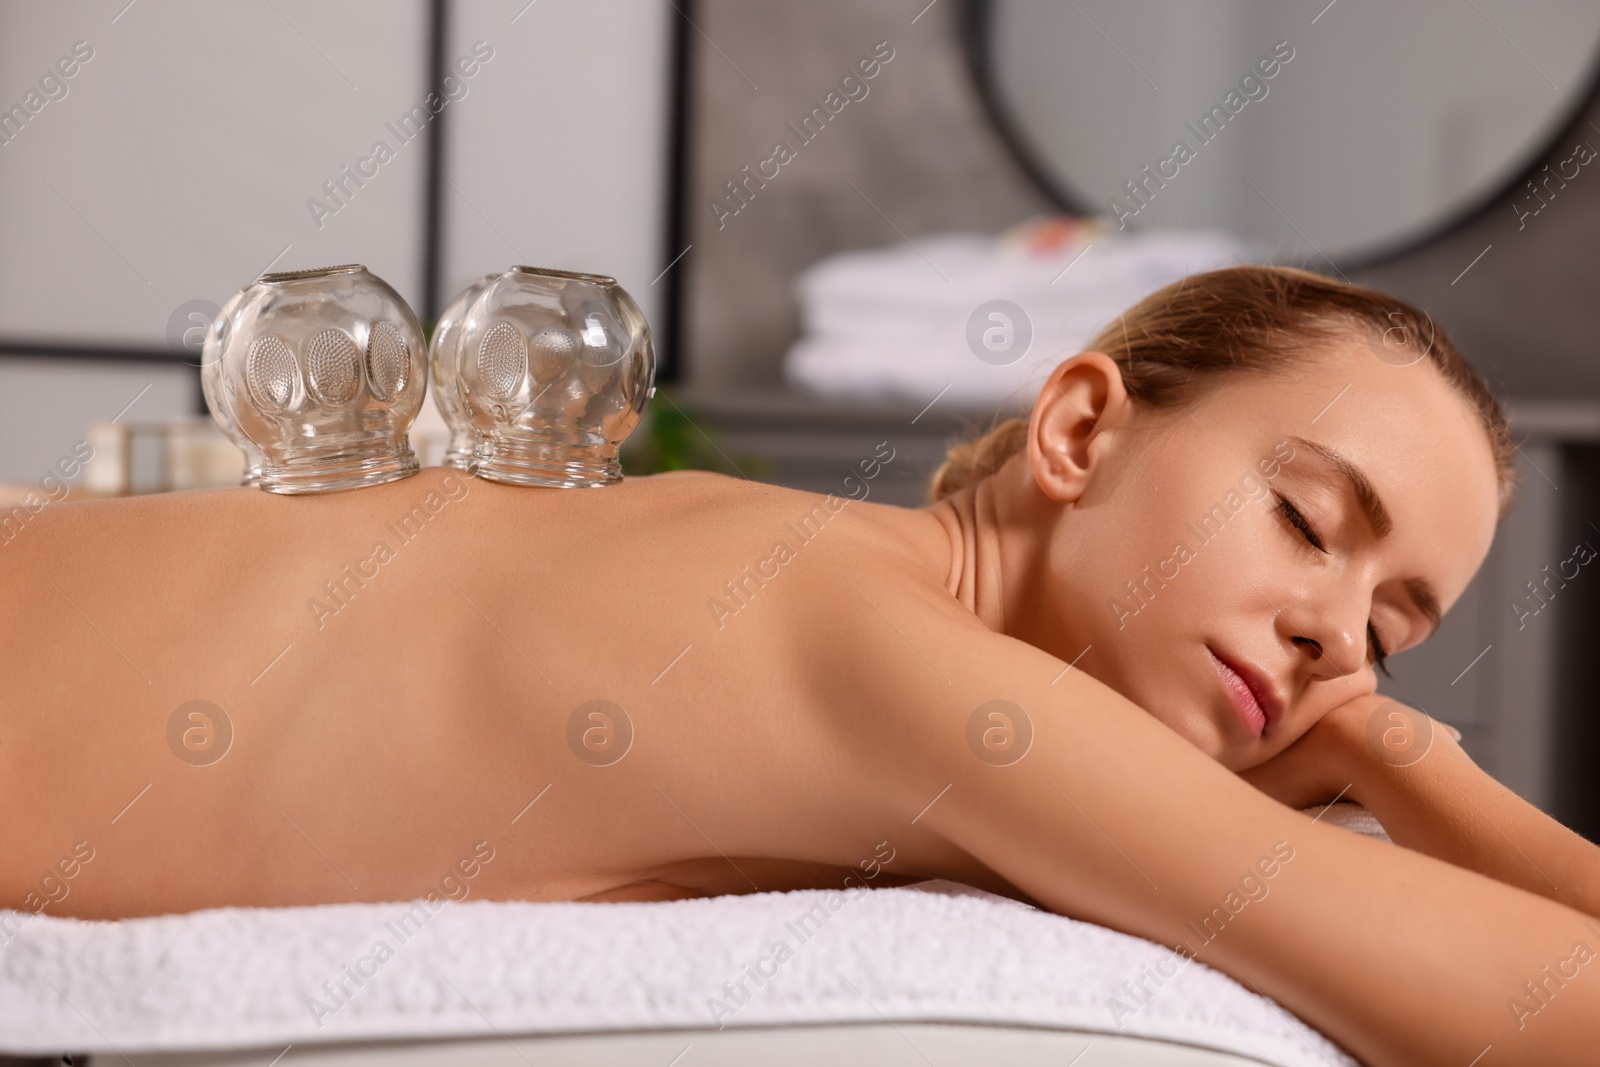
[[318, 376], [541, 375]]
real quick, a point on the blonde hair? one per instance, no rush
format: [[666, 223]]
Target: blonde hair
[[1180, 341]]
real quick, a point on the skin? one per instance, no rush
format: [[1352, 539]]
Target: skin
[[380, 751]]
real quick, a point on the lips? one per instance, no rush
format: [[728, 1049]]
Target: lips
[[1249, 693]]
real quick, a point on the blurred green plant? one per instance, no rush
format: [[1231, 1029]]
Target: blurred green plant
[[670, 438]]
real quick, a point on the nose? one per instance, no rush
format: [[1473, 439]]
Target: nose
[[1329, 626]]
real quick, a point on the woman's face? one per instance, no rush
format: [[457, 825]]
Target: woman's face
[[1257, 540]]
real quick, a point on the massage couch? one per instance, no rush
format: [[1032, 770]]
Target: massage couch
[[932, 973]]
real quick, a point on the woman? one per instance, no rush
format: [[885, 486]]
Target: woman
[[1086, 677]]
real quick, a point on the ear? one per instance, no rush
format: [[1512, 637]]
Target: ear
[[1081, 404]]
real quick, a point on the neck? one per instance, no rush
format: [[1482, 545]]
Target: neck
[[995, 559], [975, 574]]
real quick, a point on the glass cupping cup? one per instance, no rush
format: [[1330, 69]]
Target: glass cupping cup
[[553, 368], [221, 406], [442, 372], [322, 372]]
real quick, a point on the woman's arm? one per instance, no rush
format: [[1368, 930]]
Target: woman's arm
[[1112, 817], [1429, 795]]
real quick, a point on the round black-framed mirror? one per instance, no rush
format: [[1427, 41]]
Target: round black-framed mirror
[[1374, 130]]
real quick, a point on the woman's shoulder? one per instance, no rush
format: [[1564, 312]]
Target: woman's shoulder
[[814, 564], [799, 517]]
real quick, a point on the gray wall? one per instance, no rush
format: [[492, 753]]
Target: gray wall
[[180, 162]]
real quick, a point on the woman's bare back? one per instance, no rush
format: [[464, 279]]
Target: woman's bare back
[[600, 688]]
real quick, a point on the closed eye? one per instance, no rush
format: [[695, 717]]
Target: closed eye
[[1298, 521], [1292, 515]]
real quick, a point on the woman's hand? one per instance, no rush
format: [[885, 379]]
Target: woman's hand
[[1328, 761]]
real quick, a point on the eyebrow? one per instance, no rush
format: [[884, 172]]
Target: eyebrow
[[1420, 590]]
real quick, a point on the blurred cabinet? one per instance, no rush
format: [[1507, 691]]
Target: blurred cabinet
[[814, 443]]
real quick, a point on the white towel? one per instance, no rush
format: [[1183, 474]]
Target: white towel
[[1351, 817], [894, 321], [936, 951]]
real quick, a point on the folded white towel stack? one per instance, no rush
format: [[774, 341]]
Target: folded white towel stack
[[895, 321]]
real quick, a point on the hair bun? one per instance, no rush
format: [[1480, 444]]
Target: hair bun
[[969, 462]]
